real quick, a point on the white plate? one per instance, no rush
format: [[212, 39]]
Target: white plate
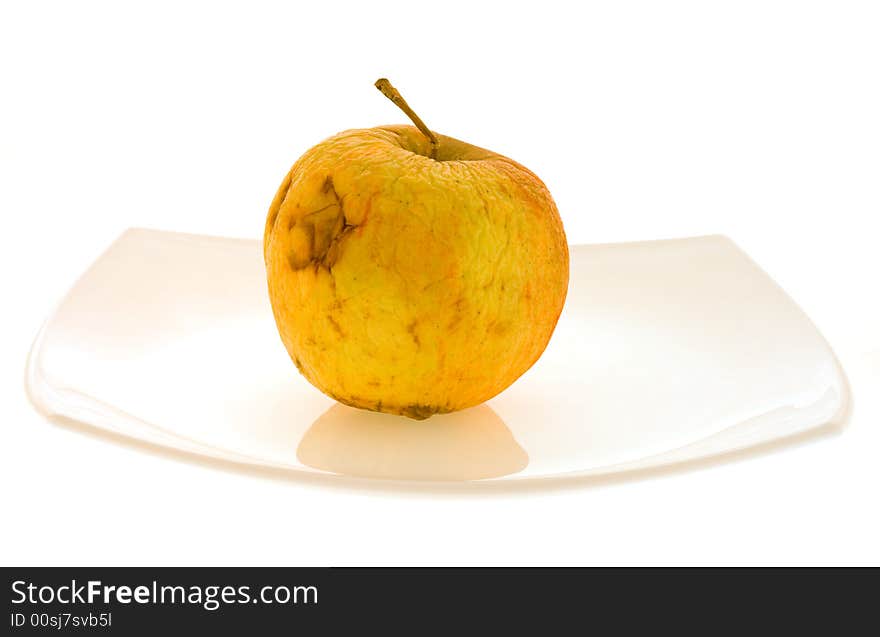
[[667, 351]]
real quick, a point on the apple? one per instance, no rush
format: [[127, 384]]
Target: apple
[[412, 273]]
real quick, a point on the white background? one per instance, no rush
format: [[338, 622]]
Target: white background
[[759, 120]]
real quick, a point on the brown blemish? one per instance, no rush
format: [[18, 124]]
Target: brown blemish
[[411, 328], [353, 401], [420, 412], [331, 256], [499, 327], [325, 232], [415, 411], [306, 217], [336, 326]]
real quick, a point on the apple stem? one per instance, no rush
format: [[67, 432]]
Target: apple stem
[[394, 95]]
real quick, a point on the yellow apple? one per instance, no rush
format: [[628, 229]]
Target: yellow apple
[[412, 273]]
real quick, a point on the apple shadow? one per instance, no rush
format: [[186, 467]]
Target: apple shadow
[[446, 488], [473, 444]]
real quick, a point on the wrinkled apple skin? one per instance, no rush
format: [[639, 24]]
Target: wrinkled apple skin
[[411, 285]]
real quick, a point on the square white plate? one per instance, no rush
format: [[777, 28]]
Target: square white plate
[[667, 351]]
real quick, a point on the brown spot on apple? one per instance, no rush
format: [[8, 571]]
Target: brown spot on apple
[[411, 329], [335, 324]]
